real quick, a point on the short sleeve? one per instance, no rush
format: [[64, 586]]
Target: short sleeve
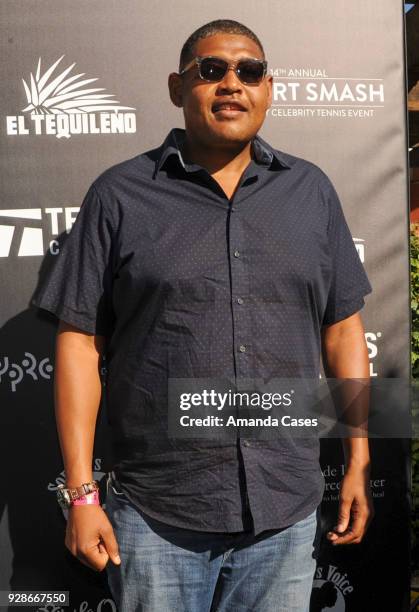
[[78, 286], [349, 284]]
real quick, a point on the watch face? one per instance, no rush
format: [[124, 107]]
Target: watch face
[[63, 497]]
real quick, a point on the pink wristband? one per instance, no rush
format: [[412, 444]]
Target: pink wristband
[[88, 499]]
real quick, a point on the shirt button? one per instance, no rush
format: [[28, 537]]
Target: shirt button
[[240, 300], [242, 348], [236, 253]]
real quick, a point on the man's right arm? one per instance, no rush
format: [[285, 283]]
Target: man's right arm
[[77, 391]]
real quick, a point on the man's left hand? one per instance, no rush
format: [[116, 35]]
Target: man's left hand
[[356, 508]]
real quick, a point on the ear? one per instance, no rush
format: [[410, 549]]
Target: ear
[[269, 82], [175, 83]]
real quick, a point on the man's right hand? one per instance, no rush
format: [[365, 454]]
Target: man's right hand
[[90, 537]]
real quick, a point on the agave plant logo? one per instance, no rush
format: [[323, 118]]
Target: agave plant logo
[[63, 104], [57, 95]]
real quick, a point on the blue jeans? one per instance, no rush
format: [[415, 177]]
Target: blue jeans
[[169, 569]]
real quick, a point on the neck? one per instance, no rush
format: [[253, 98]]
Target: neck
[[233, 159]]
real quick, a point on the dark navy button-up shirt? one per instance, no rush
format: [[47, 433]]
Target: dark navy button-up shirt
[[185, 282]]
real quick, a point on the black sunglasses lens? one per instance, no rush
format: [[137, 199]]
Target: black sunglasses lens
[[250, 71], [213, 69]]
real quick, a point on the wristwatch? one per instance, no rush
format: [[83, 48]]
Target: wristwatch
[[66, 496]]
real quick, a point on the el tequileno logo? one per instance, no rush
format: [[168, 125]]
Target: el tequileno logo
[[64, 105]]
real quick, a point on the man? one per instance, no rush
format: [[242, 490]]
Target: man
[[212, 256]]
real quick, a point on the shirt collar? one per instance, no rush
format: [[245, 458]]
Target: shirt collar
[[268, 156], [263, 153]]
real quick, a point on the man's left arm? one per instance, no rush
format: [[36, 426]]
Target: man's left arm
[[345, 356]]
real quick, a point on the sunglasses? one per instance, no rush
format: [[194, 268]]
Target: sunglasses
[[213, 69]]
